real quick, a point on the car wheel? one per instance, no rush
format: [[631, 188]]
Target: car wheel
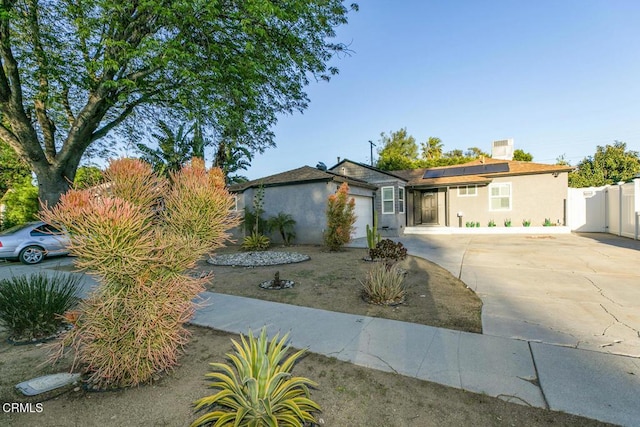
[[31, 255]]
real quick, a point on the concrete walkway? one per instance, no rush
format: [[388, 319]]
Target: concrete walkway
[[596, 385], [593, 384]]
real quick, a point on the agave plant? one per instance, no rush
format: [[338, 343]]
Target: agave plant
[[256, 242], [383, 284], [261, 391]]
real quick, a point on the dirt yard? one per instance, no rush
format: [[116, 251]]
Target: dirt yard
[[349, 395], [331, 281]]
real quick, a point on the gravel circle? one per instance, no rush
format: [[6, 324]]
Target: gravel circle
[[256, 259]]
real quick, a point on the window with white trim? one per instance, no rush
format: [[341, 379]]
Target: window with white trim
[[467, 191], [387, 200], [400, 200], [500, 196], [235, 203]]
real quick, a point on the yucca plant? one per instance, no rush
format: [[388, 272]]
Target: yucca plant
[[261, 391], [383, 284], [139, 235], [31, 307]]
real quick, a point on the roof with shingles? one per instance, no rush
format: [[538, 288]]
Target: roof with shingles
[[415, 177], [304, 174], [392, 174]]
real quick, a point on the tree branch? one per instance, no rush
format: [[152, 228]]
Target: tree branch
[[8, 137], [67, 107], [10, 65], [20, 134], [121, 117], [40, 103]]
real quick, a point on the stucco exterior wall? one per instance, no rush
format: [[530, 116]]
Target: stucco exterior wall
[[305, 202], [389, 225], [533, 197]]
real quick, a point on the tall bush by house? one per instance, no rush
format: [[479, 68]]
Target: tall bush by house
[[341, 218], [139, 234]]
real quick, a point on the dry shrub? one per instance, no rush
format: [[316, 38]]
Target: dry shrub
[[384, 284], [140, 245]]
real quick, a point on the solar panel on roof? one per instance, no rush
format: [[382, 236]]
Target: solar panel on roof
[[467, 170]]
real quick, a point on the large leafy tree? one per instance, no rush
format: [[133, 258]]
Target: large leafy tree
[[609, 165], [522, 155], [398, 150], [73, 73], [13, 170], [87, 177], [20, 203], [476, 153]]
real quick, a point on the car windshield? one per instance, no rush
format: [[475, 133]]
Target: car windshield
[[16, 228]]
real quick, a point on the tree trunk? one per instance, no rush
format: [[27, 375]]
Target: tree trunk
[[56, 179], [51, 187]]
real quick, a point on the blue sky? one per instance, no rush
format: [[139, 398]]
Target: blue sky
[[557, 76]]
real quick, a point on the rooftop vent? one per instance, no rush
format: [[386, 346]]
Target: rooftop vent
[[502, 149], [321, 166]]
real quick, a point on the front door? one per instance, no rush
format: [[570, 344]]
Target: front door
[[430, 207], [425, 207]]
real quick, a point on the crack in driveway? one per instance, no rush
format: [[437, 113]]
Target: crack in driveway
[[601, 292], [617, 321]]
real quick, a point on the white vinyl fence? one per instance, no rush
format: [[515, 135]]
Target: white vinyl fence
[[611, 209]]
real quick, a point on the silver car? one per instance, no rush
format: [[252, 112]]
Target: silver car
[[31, 242]]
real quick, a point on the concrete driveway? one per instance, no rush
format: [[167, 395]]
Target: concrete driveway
[[576, 290]]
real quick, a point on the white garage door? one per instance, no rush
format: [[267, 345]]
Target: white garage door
[[364, 214]]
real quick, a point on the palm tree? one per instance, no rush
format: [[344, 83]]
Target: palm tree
[[432, 149], [284, 223], [231, 158], [174, 149]]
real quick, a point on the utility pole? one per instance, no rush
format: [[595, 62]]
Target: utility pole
[[371, 145]]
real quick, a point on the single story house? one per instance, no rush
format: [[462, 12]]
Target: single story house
[[482, 191], [485, 190], [303, 193]]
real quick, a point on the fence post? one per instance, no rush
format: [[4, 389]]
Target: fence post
[[636, 203], [620, 208]]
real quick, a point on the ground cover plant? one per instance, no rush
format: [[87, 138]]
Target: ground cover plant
[[138, 235]]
